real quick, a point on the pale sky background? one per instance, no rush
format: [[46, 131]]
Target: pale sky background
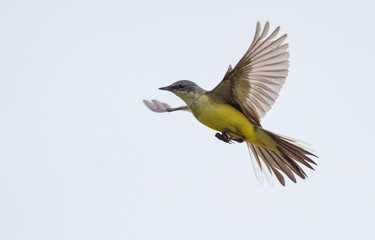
[[81, 157]]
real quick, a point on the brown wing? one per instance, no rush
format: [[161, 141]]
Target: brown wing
[[253, 85]]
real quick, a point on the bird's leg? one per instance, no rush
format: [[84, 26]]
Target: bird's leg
[[222, 137], [239, 140], [227, 131], [226, 137]]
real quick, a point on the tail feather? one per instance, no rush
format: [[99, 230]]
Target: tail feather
[[259, 160], [258, 166], [292, 153], [287, 160]]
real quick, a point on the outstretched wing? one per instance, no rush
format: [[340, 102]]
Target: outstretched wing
[[253, 85], [157, 106], [160, 107]]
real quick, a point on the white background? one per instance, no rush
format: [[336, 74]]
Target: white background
[[81, 157]]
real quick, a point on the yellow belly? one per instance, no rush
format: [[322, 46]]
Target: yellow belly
[[221, 116]]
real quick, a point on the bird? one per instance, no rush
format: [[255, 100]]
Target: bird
[[236, 105]]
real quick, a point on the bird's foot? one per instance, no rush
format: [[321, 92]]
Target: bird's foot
[[226, 137], [222, 137]]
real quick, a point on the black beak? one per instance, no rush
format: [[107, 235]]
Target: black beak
[[168, 88]]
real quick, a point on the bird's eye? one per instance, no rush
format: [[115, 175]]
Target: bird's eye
[[180, 86]]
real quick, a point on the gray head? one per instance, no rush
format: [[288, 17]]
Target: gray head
[[183, 86]]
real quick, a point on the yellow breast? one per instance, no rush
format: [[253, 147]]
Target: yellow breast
[[221, 116]]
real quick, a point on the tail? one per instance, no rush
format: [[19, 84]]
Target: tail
[[286, 161]]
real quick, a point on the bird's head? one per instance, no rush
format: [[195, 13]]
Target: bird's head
[[186, 90]]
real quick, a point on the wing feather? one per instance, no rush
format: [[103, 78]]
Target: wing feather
[[253, 85]]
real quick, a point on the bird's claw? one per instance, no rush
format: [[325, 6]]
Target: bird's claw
[[222, 137], [226, 137]]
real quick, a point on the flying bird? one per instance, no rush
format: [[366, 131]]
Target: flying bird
[[235, 107]]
